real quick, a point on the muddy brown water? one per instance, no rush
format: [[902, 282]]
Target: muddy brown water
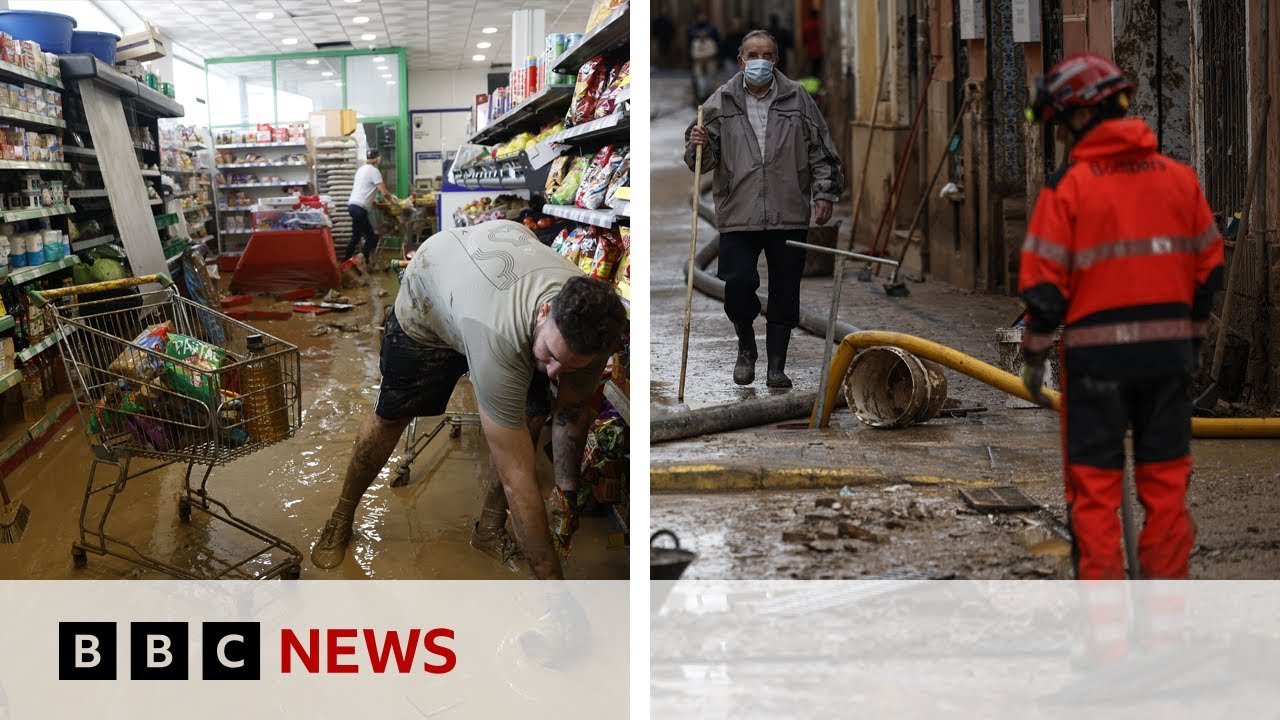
[[420, 531]]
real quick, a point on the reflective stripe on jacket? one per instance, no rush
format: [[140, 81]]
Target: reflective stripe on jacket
[[800, 164], [1123, 249]]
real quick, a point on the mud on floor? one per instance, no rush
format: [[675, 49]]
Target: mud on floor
[[866, 530]]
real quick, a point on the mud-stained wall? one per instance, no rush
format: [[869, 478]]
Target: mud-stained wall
[[1161, 70]]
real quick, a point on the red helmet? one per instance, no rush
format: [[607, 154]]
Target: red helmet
[[1080, 80]]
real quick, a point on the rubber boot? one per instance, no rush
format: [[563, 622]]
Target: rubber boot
[[776, 339], [744, 372]]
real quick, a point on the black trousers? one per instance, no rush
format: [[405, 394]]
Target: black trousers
[[360, 227], [739, 255]]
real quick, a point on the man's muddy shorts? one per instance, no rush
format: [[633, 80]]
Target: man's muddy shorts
[[418, 380]]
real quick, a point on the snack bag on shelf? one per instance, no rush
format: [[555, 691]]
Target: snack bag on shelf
[[600, 12], [556, 173], [621, 179], [592, 77], [618, 79], [604, 457], [608, 253], [572, 249], [564, 194], [587, 250], [591, 192], [624, 265]]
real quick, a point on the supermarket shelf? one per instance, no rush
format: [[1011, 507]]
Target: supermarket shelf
[[261, 164], [150, 147], [49, 341], [613, 33], [13, 442], [88, 193], [236, 209], [83, 66], [614, 394], [260, 185], [532, 113], [618, 123], [600, 218], [27, 274], [6, 322], [235, 232], [150, 173], [201, 206], [34, 119], [92, 242], [83, 152], [20, 215], [242, 146], [8, 69], [10, 380], [33, 165], [181, 171]]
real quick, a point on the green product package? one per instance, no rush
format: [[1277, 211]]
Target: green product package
[[569, 187], [202, 382]]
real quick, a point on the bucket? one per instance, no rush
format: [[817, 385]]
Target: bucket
[[1009, 347], [667, 563], [101, 44], [51, 30], [888, 387]]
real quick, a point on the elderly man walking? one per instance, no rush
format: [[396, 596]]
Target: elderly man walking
[[775, 167]]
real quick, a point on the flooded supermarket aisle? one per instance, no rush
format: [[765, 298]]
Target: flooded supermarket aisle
[[418, 531]]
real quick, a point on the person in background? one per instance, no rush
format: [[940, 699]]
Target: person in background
[[1123, 250], [702, 23], [782, 37], [368, 180], [732, 41], [664, 32], [764, 197], [811, 32], [703, 53]]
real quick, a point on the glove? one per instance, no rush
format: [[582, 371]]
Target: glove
[[1033, 377], [562, 518]]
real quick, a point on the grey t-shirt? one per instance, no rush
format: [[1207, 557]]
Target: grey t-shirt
[[477, 290]]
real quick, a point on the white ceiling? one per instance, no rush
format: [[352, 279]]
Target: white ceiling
[[438, 34]]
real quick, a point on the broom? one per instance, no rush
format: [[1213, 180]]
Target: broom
[[14, 518]]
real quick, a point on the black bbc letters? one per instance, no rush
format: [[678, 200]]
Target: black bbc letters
[[232, 651], [86, 651], [158, 650]]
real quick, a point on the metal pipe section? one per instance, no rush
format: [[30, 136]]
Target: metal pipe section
[[1006, 382], [734, 416]]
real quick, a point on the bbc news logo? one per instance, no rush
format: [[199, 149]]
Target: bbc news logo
[[233, 651]]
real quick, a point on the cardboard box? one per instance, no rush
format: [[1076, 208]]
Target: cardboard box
[[142, 46], [333, 123]]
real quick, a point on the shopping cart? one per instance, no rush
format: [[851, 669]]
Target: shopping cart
[[137, 402]]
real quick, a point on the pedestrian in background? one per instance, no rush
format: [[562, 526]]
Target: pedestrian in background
[[732, 41], [367, 181], [1123, 249], [775, 168]]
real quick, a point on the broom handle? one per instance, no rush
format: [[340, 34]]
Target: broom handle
[[924, 199], [693, 248], [4, 493]]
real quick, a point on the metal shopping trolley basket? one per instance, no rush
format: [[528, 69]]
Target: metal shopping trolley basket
[[159, 377]]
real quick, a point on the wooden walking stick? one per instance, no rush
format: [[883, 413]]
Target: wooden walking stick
[[693, 248]]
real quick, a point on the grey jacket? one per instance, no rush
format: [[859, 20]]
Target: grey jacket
[[801, 166]]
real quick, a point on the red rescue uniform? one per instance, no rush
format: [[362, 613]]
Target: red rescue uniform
[[1122, 249]]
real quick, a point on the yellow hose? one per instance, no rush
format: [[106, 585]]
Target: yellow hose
[[1001, 380]]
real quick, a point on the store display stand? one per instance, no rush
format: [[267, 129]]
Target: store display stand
[[335, 160]]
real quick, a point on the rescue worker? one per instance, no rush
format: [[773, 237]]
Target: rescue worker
[[1123, 250]]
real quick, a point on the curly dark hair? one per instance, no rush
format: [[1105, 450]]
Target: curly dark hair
[[589, 315]]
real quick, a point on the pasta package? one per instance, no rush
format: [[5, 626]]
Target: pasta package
[[196, 372], [568, 189]]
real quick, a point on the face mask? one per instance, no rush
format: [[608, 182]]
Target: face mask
[[759, 72]]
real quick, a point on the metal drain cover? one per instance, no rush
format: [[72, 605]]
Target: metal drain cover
[[1005, 498]]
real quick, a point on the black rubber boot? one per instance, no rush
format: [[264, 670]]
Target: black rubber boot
[[776, 339], [744, 372]]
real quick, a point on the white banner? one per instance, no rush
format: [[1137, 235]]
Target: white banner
[[964, 649], [403, 649]]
